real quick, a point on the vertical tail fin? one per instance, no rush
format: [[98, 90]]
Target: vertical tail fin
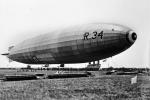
[[9, 48]]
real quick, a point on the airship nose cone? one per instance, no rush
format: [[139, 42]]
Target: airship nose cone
[[131, 36]]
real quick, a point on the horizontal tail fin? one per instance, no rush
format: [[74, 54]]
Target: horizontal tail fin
[[9, 48], [5, 54]]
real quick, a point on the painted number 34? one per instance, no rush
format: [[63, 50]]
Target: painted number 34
[[94, 35]]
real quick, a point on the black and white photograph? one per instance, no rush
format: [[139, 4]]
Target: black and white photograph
[[74, 50]]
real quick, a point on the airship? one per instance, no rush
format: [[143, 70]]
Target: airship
[[76, 44]]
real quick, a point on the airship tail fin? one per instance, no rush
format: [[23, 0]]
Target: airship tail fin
[[5, 54], [9, 48]]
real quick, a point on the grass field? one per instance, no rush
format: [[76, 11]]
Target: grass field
[[102, 87]]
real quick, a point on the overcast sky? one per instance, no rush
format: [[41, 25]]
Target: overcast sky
[[23, 19]]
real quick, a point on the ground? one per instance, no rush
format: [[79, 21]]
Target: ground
[[100, 87]]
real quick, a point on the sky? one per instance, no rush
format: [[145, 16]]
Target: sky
[[23, 19]]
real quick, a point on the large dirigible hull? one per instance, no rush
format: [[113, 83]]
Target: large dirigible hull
[[76, 44]]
